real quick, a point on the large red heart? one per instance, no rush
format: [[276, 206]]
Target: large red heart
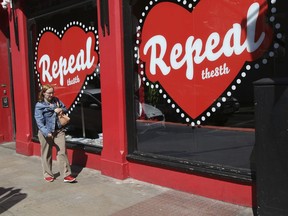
[[171, 25], [66, 61]]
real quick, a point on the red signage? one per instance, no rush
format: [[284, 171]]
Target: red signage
[[196, 53], [66, 60]]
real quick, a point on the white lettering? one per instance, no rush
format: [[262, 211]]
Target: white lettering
[[194, 52], [218, 71], [63, 66], [73, 81]]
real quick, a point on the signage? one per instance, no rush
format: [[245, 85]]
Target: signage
[[194, 52], [67, 59]]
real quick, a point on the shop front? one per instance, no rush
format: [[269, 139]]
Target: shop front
[[160, 91]]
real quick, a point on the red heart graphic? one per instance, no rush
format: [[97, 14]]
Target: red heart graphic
[[66, 62], [195, 56]]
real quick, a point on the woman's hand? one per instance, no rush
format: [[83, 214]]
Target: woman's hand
[[58, 110], [50, 135]]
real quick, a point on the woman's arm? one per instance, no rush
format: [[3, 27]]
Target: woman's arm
[[40, 121]]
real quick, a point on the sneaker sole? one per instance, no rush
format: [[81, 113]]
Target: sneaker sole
[[70, 181]]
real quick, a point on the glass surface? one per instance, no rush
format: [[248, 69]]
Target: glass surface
[[223, 134], [84, 104]]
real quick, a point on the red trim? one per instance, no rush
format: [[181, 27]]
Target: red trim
[[208, 187]]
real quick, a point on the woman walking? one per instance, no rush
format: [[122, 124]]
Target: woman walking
[[51, 133]]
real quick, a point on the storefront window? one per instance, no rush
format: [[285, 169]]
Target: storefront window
[[64, 51], [194, 68]]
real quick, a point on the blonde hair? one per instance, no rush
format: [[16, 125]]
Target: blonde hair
[[43, 90]]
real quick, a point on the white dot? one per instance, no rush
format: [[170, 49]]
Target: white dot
[[238, 81], [243, 74], [147, 83], [177, 110], [192, 124], [164, 95], [173, 106], [160, 91], [233, 87], [198, 122], [190, 5], [182, 115], [272, 19], [168, 101], [152, 86], [277, 26], [223, 99], [213, 109], [276, 45], [256, 66], [203, 118], [279, 35], [248, 67], [273, 10], [218, 104], [264, 61], [271, 54], [187, 119], [208, 114]]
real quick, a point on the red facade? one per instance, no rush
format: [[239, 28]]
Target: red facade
[[111, 161]]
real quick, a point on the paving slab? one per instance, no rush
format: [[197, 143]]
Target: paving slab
[[24, 192]]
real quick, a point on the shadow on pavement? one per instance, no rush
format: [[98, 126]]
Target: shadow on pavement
[[10, 197]]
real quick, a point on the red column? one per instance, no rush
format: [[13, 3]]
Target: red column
[[21, 83], [6, 116], [113, 157]]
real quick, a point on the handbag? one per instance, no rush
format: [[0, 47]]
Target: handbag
[[63, 118]]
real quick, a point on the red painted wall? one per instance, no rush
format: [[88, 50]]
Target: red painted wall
[[21, 85], [113, 160], [6, 118]]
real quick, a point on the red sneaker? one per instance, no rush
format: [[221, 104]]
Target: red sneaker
[[49, 179], [69, 179]]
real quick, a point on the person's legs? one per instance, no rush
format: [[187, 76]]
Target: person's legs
[[64, 166], [46, 155]]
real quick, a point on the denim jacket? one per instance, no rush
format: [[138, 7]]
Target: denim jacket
[[45, 116]]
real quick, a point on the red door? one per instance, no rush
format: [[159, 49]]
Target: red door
[[7, 125]]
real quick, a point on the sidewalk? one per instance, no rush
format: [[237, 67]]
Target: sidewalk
[[23, 192]]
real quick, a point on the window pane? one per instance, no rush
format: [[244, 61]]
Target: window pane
[[64, 45], [195, 65]]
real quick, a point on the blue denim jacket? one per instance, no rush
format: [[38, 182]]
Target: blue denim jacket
[[45, 116]]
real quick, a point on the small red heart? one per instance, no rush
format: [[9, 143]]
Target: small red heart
[[194, 80], [66, 61]]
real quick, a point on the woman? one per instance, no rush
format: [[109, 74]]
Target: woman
[[51, 133]]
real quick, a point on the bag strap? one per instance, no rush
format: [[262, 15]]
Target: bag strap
[[57, 102]]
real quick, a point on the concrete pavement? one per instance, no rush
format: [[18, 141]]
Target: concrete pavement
[[23, 192]]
